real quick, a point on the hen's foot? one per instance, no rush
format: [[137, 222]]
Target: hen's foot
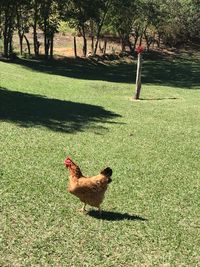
[[83, 210]]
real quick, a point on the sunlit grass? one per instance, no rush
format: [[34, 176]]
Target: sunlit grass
[[152, 206]]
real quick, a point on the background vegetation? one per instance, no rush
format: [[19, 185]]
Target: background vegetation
[[170, 22]]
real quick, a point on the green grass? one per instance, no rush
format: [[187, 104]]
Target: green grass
[[83, 109]]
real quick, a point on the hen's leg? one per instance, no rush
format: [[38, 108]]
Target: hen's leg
[[83, 208]]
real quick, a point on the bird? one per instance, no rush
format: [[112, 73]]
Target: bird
[[90, 190]]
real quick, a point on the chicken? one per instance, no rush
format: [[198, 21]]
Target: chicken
[[90, 190]]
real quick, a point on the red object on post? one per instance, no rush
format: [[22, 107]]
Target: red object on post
[[139, 49]]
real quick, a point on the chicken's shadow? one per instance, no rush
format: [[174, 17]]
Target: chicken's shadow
[[114, 216]]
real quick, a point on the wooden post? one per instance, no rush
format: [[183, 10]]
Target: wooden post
[[139, 51], [138, 77]]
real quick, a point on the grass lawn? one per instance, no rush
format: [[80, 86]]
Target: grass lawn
[[83, 109]]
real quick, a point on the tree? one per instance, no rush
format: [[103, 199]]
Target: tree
[[185, 15], [120, 19], [148, 13], [77, 13], [87, 17], [132, 20], [49, 23], [35, 9], [193, 20], [8, 15], [99, 17], [23, 22]]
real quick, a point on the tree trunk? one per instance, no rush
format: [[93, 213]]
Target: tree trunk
[[92, 44], [136, 37], [20, 28], [159, 40], [8, 31], [51, 46], [84, 49], [101, 48], [10, 47], [140, 43], [75, 51], [105, 46], [5, 39], [96, 45], [148, 41], [46, 39], [123, 44], [28, 45], [10, 43], [138, 77], [84, 46], [100, 27], [35, 39], [21, 37]]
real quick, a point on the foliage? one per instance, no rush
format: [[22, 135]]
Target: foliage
[[122, 22], [183, 14], [131, 20], [65, 29]]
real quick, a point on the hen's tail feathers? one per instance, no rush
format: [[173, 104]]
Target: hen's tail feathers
[[108, 173]]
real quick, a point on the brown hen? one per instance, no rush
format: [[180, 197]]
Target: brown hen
[[90, 190]]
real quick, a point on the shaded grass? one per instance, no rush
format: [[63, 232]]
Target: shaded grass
[[151, 210], [158, 68], [34, 110]]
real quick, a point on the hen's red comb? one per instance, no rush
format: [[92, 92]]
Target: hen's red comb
[[68, 161]]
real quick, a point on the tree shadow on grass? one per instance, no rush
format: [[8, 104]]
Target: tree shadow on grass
[[29, 110], [185, 75], [158, 98], [157, 69], [80, 68], [114, 216]]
